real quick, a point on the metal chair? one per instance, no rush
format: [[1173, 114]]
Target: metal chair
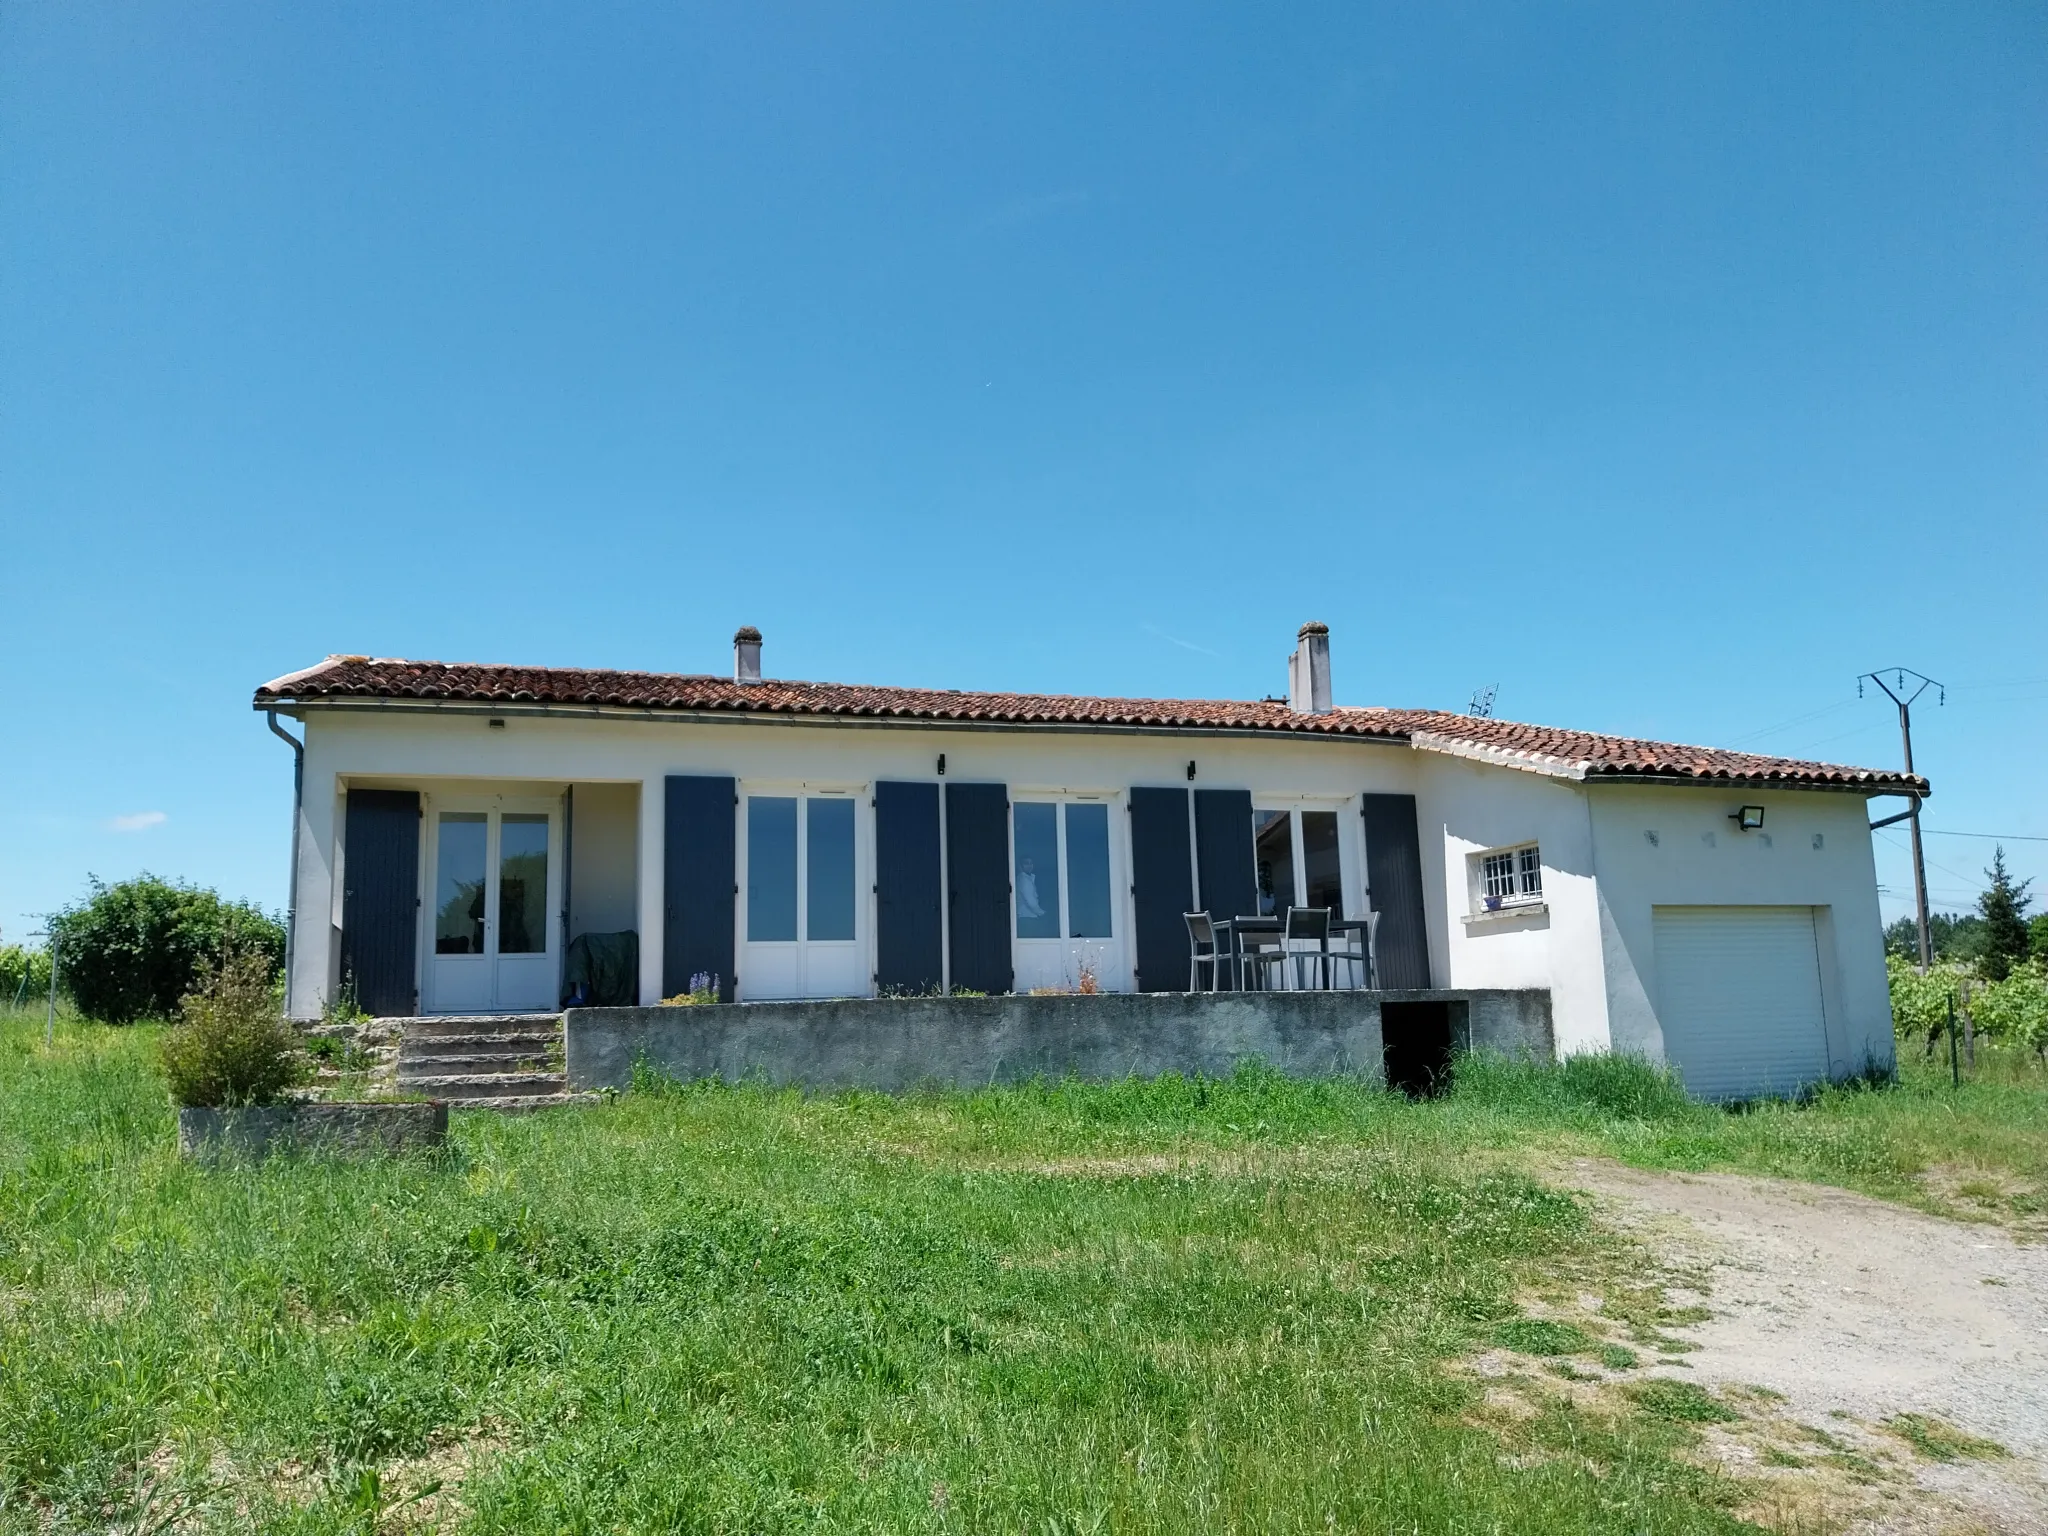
[[1203, 949], [1257, 955], [1361, 949], [1309, 925]]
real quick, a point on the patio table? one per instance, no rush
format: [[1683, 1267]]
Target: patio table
[[1236, 927]]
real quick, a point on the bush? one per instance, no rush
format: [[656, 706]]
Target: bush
[[24, 975], [131, 951], [2014, 1009], [233, 1045]]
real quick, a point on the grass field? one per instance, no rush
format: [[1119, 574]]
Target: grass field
[[1171, 1306]]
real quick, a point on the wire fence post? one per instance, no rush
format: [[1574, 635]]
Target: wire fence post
[[1955, 1071]]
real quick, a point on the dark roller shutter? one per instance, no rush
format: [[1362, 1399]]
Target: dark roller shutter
[[978, 874], [697, 883], [1163, 885], [380, 900], [1393, 872], [908, 933]]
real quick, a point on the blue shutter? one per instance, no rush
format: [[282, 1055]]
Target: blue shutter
[[1163, 885], [380, 900], [1393, 871], [697, 883], [908, 932], [978, 877]]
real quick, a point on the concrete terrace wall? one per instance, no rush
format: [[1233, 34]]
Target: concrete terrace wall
[[898, 1043]]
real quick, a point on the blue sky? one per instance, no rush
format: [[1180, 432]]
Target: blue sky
[[1666, 365]]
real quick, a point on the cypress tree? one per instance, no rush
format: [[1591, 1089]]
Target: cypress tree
[[2003, 908]]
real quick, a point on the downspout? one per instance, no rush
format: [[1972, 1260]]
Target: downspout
[[291, 911]]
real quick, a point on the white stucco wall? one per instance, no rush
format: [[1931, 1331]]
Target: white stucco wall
[[1467, 807], [1814, 850], [446, 750], [604, 888], [1590, 946]]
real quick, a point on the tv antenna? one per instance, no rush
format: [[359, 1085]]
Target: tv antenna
[[1481, 706], [1902, 685]]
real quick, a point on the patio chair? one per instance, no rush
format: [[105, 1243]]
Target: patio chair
[[1309, 925], [1259, 954], [1361, 947], [1203, 949]]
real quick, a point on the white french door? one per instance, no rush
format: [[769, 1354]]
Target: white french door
[[493, 926], [1065, 871], [1304, 859], [804, 919]]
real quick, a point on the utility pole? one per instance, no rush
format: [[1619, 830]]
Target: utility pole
[[1903, 695]]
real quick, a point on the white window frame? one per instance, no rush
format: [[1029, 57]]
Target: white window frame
[[1112, 956], [749, 988], [1506, 879], [1350, 845]]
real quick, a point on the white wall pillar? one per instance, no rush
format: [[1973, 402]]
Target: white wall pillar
[[313, 898], [653, 880]]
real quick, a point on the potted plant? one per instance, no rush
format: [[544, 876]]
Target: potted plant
[[232, 1061]]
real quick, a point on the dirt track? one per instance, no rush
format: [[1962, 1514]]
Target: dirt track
[[1857, 1311]]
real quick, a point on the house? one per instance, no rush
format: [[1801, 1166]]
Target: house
[[459, 827]]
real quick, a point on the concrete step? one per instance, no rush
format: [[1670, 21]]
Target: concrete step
[[472, 1064], [521, 1024], [487, 1085], [441, 1045]]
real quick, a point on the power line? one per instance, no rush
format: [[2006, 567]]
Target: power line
[[1995, 837]]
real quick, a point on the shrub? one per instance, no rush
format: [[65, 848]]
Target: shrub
[[24, 975], [2014, 1009], [131, 951], [233, 1046]]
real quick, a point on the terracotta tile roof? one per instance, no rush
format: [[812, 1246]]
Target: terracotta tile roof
[[1540, 749]]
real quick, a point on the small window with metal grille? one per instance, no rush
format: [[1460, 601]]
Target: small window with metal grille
[[1508, 877]]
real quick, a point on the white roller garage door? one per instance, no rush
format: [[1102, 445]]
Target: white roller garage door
[[1738, 992]]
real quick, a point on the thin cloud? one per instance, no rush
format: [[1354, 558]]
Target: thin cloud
[[141, 821], [1186, 645]]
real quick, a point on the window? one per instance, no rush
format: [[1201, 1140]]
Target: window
[[1284, 842], [1510, 877], [1043, 854]]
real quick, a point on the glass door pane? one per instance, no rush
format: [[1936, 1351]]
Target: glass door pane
[[522, 884], [1319, 861], [1273, 842], [828, 826], [459, 883], [1038, 871], [1088, 871], [771, 868]]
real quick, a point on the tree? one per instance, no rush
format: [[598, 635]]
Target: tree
[[2037, 943], [2004, 910], [131, 951]]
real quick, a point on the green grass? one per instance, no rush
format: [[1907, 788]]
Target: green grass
[[1941, 1441], [1159, 1306]]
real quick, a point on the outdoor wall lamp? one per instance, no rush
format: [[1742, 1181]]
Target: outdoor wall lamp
[[1750, 818]]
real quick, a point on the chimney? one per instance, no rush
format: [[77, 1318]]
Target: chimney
[[746, 655], [1308, 671]]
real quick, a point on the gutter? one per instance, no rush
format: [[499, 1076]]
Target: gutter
[[819, 722], [291, 911]]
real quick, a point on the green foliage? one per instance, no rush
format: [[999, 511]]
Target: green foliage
[[2003, 906], [1920, 1003], [24, 975], [132, 950], [1146, 1308], [1953, 936], [1541, 1336], [2014, 1009], [2037, 937], [232, 1046], [1608, 1084], [1680, 1401], [1938, 1440]]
